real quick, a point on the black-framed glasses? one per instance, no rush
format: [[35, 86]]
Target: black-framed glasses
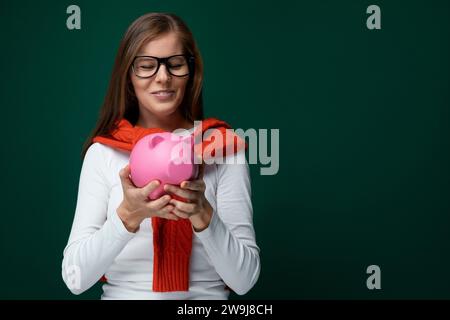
[[179, 65]]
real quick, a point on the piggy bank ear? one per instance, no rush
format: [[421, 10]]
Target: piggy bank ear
[[154, 140], [185, 149], [189, 140]]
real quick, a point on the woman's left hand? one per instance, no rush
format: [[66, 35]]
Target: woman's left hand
[[197, 208]]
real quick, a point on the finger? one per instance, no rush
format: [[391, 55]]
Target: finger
[[170, 216], [183, 206], [167, 208], [187, 194], [150, 187], [180, 213], [195, 185], [159, 203], [124, 175], [167, 213]]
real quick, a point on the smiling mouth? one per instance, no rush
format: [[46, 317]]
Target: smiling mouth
[[163, 93]]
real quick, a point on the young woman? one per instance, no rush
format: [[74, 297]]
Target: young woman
[[200, 248]]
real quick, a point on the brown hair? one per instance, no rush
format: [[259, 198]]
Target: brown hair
[[120, 100]]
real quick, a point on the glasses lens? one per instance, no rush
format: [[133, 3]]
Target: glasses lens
[[145, 67], [178, 66]]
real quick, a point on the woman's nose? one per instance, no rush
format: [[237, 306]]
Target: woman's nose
[[162, 74]]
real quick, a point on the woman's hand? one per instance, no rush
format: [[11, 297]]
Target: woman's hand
[[197, 208], [136, 205]]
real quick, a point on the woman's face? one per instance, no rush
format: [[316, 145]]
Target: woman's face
[[165, 103]]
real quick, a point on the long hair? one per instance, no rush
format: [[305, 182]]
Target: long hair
[[120, 100]]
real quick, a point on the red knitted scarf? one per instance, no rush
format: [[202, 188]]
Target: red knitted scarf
[[172, 240]]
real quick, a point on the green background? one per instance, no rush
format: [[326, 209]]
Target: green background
[[364, 136]]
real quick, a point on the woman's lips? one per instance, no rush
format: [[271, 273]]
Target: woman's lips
[[164, 95]]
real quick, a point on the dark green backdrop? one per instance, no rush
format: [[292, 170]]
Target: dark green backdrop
[[364, 136]]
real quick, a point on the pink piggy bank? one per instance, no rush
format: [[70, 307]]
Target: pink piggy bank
[[166, 157]]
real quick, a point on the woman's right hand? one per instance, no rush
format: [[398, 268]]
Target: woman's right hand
[[136, 206]]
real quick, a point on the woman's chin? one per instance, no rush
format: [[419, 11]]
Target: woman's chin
[[162, 110]]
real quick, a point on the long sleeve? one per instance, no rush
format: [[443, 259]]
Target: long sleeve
[[229, 240], [94, 241]]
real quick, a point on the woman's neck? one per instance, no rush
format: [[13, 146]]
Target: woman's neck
[[170, 123]]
